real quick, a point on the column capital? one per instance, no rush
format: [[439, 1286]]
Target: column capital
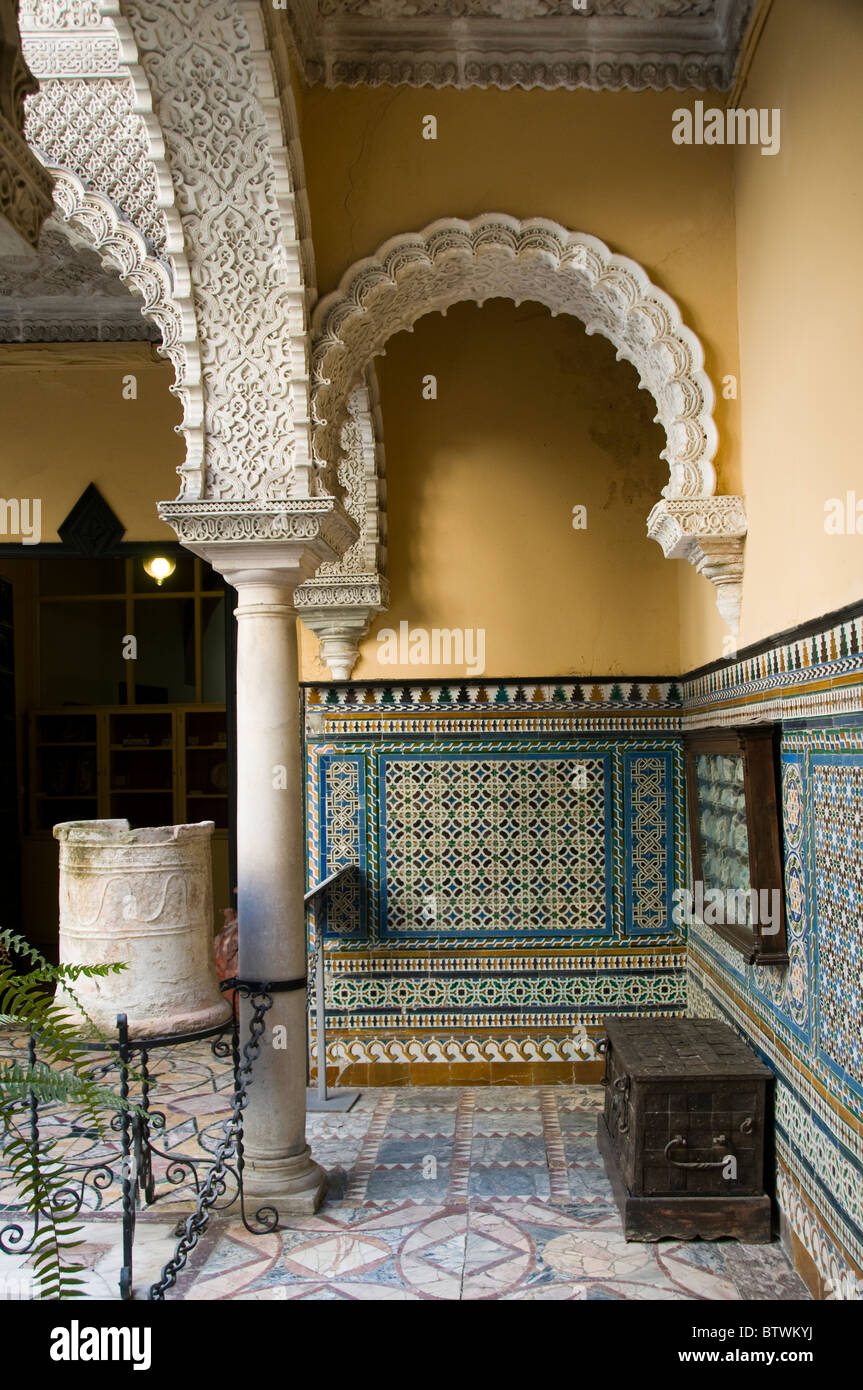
[[278, 543], [338, 609]]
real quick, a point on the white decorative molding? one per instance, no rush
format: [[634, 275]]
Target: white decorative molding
[[606, 45], [361, 472], [91, 126], [65, 294], [217, 105], [709, 533], [25, 186], [69, 38], [339, 614], [238, 536], [339, 631], [124, 249], [158, 137], [103, 145], [339, 603], [59, 14], [296, 518], [498, 256], [194, 148]]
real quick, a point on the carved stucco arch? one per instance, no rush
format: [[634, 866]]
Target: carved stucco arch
[[178, 150], [498, 256], [138, 139], [165, 293]]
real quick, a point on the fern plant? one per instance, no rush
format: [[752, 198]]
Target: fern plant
[[38, 1170]]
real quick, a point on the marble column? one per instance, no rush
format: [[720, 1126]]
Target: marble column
[[271, 882], [265, 551]]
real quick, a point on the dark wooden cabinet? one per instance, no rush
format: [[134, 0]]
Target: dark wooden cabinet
[[683, 1130]]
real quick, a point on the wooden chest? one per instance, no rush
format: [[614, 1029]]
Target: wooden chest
[[682, 1133]]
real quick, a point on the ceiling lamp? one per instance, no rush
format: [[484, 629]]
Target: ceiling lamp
[[159, 568]]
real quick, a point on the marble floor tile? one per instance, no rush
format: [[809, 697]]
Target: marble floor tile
[[441, 1194]]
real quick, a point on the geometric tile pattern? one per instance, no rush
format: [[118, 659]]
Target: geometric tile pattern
[[512, 891], [477, 706], [788, 989], [342, 845], [837, 809], [559, 842], [806, 1018], [494, 845], [648, 797], [810, 677], [819, 1159]]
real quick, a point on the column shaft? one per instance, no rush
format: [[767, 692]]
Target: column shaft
[[271, 881]]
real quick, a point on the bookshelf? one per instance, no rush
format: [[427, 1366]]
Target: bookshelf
[[149, 765]]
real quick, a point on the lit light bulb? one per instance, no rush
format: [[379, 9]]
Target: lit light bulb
[[159, 568]]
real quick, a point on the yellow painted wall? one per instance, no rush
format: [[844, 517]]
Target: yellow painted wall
[[799, 233], [602, 163], [65, 424]]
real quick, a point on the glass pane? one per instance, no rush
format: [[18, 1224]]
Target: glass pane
[[181, 580], [722, 827], [165, 668], [213, 643], [81, 653], [74, 729], [72, 576]]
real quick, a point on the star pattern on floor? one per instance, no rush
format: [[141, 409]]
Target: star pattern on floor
[[450, 1193]]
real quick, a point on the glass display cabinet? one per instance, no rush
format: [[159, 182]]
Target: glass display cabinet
[[735, 828]]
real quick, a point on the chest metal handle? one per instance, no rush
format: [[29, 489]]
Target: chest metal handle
[[620, 1104], [680, 1141]]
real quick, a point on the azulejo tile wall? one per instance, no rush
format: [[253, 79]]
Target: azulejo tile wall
[[518, 848], [806, 1019], [423, 986]]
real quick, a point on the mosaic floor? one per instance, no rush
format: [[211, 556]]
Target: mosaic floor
[[457, 1193]]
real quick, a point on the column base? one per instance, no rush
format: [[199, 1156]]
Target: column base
[[295, 1186]]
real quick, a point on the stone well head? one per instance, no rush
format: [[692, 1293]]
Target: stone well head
[[142, 898]]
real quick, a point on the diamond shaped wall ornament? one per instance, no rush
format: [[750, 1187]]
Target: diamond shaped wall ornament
[[91, 527]]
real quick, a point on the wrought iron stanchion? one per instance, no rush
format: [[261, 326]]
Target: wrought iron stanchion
[[260, 995], [136, 1122], [127, 1175], [70, 1199]]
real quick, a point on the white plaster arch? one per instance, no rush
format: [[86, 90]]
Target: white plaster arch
[[165, 292], [498, 256], [194, 146]]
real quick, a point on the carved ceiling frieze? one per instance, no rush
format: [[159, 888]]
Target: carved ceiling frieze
[[599, 44]]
